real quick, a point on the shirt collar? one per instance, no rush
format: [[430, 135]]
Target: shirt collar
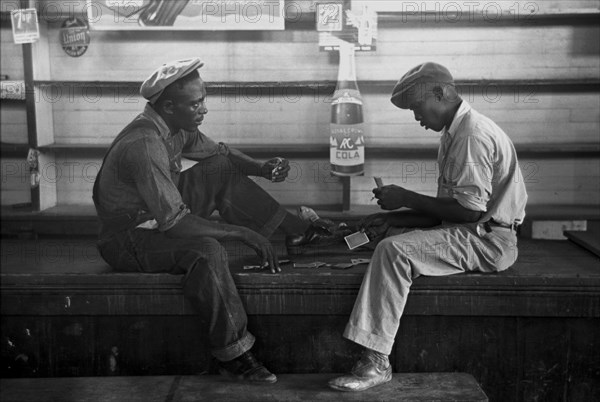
[[153, 116], [462, 111]]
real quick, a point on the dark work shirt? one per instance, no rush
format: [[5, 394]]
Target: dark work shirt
[[141, 170]]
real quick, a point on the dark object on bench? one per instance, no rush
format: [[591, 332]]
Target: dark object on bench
[[590, 239]]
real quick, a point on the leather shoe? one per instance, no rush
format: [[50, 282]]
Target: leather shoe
[[247, 368], [320, 233], [365, 374]]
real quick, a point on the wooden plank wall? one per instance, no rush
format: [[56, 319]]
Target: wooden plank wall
[[13, 128], [549, 181], [13, 122], [91, 115], [474, 50], [15, 182], [11, 62]]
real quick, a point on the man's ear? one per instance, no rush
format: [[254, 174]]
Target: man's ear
[[438, 92], [168, 107]]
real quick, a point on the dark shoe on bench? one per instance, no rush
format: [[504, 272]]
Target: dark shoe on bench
[[320, 233], [247, 368]]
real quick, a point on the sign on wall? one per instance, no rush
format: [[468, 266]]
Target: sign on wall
[[25, 26], [337, 22], [215, 15], [74, 36]]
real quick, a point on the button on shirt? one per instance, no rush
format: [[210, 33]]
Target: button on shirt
[[479, 168], [140, 173]]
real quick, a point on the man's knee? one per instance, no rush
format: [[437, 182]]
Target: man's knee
[[205, 260], [395, 253], [208, 249], [394, 247]]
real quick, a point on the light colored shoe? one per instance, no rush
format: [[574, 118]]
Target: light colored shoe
[[364, 375]]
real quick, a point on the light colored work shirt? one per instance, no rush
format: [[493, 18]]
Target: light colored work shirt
[[479, 168]]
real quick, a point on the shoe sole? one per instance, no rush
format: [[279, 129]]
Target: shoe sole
[[359, 390]]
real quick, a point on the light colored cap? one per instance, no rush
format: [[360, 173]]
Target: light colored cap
[[167, 74]]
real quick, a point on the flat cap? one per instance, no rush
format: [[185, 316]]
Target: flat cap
[[416, 78], [165, 75]]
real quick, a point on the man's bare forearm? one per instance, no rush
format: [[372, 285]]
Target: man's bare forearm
[[443, 209], [411, 219]]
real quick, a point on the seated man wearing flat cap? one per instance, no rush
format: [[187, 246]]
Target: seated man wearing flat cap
[[469, 226], [154, 216]]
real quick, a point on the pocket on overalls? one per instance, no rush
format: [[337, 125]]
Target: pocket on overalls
[[118, 253]]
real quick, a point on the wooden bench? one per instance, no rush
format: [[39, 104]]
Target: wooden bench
[[529, 332], [417, 387]]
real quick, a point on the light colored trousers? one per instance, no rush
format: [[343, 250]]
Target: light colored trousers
[[398, 259]]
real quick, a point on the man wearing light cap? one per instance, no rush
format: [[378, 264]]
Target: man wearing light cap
[[469, 226], [154, 215]]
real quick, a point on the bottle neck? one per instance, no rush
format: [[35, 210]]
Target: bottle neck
[[347, 69]]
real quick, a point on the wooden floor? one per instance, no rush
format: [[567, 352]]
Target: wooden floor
[[422, 387]]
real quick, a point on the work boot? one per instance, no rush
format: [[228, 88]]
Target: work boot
[[247, 368]]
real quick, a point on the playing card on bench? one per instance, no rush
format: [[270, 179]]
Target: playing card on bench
[[316, 264], [356, 240]]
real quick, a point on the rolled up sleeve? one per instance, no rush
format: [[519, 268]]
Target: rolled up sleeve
[[149, 168], [467, 176], [197, 146]]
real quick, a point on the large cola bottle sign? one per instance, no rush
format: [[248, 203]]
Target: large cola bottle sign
[[347, 142]]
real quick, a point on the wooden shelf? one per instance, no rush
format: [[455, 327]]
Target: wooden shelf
[[322, 150], [304, 11], [304, 18], [326, 86], [10, 150], [378, 151], [426, 17], [451, 16]]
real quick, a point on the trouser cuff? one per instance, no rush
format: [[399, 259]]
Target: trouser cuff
[[235, 349], [369, 340]]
